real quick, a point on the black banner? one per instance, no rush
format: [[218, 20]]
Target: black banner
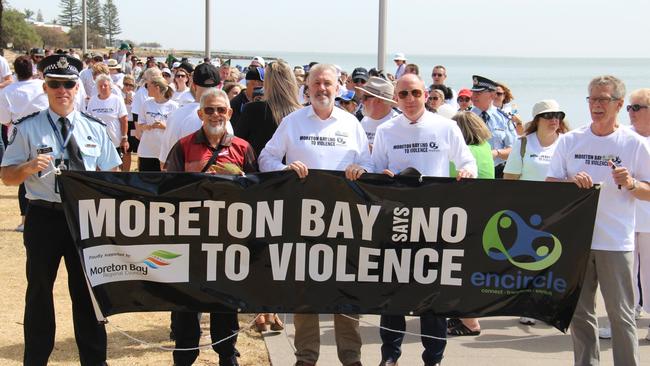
[[274, 243]]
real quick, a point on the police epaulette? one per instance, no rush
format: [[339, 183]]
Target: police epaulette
[[94, 119], [25, 118]]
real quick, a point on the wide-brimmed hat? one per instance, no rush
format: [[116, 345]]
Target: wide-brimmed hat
[[379, 88], [548, 105], [113, 64], [399, 57]]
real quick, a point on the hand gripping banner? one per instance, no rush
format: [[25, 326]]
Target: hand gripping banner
[[272, 242]]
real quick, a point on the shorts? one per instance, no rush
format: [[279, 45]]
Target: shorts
[[133, 141]]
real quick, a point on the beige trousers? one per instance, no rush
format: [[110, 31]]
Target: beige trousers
[[346, 333]]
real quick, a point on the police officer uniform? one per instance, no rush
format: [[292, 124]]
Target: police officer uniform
[[503, 132], [76, 141]]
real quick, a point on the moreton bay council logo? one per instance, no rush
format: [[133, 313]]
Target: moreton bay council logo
[[159, 258], [532, 249]]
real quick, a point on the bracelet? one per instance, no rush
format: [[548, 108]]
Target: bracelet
[[125, 137]]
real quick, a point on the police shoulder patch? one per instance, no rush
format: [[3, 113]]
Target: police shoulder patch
[[21, 120], [93, 118]]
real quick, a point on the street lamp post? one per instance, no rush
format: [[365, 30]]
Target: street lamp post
[[381, 47], [207, 29], [85, 27]]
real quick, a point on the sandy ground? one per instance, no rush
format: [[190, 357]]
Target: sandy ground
[[149, 327]]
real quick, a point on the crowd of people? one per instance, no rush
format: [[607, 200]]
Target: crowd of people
[[218, 119]]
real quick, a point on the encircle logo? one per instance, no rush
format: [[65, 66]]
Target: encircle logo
[[159, 258], [494, 247]]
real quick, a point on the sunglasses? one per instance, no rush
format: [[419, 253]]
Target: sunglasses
[[464, 99], [416, 93], [131, 85], [437, 75], [551, 115], [500, 93], [434, 98], [55, 84], [636, 107], [358, 81], [178, 76], [212, 110]]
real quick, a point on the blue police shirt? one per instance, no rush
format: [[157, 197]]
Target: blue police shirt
[[503, 132], [34, 135]]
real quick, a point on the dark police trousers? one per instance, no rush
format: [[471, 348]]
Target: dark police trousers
[[187, 331], [47, 239], [391, 347]]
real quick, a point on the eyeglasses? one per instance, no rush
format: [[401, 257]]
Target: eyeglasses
[[500, 93], [416, 93], [636, 107], [437, 75], [552, 115], [131, 85], [366, 97], [463, 99], [600, 100], [178, 76], [212, 110], [358, 81], [55, 84]]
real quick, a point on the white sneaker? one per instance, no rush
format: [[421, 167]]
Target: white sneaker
[[605, 333], [637, 312], [647, 337], [527, 321], [20, 228]]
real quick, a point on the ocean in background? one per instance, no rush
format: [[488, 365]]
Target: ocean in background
[[530, 79]]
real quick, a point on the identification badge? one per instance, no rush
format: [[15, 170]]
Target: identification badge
[[44, 150]]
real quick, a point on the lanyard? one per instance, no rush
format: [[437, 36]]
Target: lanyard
[[59, 137]]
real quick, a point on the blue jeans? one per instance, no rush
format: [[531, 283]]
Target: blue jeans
[[391, 347]]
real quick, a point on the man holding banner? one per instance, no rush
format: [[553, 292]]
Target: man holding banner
[[321, 137], [439, 141], [606, 152], [41, 145], [213, 150]]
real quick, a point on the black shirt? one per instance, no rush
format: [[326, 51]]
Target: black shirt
[[256, 125]]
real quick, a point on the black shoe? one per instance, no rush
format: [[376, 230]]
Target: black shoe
[[388, 363]]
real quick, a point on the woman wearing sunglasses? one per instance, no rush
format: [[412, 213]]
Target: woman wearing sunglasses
[[128, 92], [531, 154], [152, 121], [182, 94]]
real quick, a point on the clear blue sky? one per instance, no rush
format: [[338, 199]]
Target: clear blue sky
[[528, 28]]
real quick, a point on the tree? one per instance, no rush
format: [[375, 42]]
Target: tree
[[95, 40], [111, 21], [16, 30], [53, 37], [94, 16], [70, 13], [28, 14], [39, 16], [2, 38]]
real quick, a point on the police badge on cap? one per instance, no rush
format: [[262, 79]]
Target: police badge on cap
[[479, 83], [60, 67]]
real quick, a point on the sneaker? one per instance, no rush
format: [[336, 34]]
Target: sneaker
[[527, 321], [20, 228], [605, 333], [637, 312]]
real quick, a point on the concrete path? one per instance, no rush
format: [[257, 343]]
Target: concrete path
[[503, 342]]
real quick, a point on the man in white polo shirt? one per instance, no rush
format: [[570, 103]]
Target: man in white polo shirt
[[427, 142], [320, 136], [606, 152]]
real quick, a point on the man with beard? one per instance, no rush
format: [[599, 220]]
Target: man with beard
[[303, 139], [211, 149]]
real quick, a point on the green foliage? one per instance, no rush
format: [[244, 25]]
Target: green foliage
[[150, 45], [70, 13], [94, 16], [16, 30], [95, 40], [53, 37], [111, 21], [28, 14]]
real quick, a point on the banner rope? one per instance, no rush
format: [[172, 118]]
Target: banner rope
[[200, 347]]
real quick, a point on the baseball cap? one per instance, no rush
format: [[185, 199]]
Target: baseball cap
[[206, 75], [360, 73]]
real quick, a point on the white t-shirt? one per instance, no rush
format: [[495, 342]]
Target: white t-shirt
[[183, 98], [331, 144], [642, 218], [581, 150], [4, 68], [109, 110], [535, 162], [15, 98], [141, 96], [447, 111], [428, 146], [370, 125], [150, 112], [86, 77]]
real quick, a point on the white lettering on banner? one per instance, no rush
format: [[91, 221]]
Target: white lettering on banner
[[236, 263], [452, 230], [312, 223], [322, 262], [98, 218]]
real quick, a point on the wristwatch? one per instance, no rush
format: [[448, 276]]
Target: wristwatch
[[634, 185], [125, 137]]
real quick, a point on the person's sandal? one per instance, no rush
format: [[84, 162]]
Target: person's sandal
[[260, 324], [461, 329], [277, 324]]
